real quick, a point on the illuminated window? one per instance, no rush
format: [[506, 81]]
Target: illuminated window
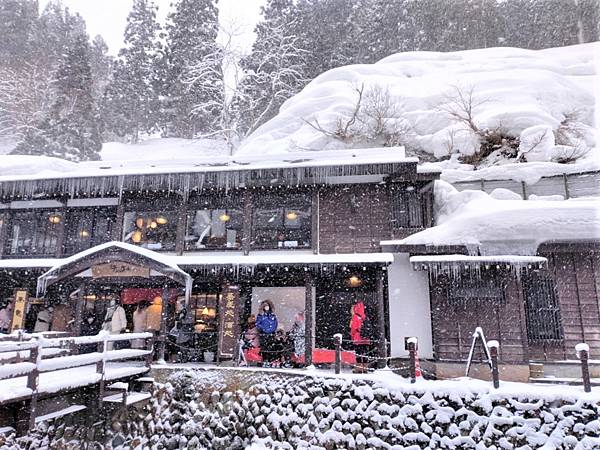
[[214, 223], [154, 230]]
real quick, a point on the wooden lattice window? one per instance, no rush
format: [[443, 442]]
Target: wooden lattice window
[[542, 310]]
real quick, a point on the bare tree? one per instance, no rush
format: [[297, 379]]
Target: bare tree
[[460, 105], [24, 96]]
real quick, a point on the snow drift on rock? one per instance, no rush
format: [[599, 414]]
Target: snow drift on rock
[[512, 89]]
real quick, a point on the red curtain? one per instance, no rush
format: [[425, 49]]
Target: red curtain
[[135, 295]]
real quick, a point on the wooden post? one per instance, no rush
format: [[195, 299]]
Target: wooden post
[[101, 365], [182, 213], [493, 347], [162, 337], [308, 320], [412, 366], [381, 344], [337, 339], [150, 348], [33, 379], [524, 190], [314, 212], [79, 310], [247, 237], [566, 184], [583, 351]]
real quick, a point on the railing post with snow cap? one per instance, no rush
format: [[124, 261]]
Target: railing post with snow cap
[[150, 348], [33, 380], [337, 340], [412, 353], [493, 347], [583, 351], [101, 364]]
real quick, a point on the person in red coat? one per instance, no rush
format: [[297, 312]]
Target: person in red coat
[[359, 335]]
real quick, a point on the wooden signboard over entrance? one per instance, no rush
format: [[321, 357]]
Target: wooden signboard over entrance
[[18, 317], [229, 305], [119, 269]]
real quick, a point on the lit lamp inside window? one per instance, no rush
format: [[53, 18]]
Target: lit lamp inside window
[[84, 233], [153, 224], [54, 219], [291, 215], [354, 281], [136, 236], [161, 220], [224, 217]]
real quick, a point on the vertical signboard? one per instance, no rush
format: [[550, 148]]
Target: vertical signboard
[[229, 332], [18, 318]]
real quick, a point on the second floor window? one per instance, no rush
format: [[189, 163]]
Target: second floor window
[[34, 233], [214, 225], [407, 207], [87, 227], [282, 221], [151, 229]]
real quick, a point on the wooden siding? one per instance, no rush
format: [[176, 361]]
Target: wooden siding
[[354, 219], [453, 324]]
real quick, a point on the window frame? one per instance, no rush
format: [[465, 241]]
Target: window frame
[[544, 322], [166, 207], [37, 217], [409, 206], [90, 216]]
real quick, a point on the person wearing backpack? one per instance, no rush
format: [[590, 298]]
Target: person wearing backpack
[[266, 323]]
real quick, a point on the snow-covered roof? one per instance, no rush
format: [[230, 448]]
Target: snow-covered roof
[[504, 227], [513, 89], [234, 259]]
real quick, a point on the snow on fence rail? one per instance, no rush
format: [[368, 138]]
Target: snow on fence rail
[[29, 379]]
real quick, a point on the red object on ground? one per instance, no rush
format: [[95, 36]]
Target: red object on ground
[[418, 373], [131, 296], [320, 356]]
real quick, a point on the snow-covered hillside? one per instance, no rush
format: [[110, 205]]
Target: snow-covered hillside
[[526, 105]]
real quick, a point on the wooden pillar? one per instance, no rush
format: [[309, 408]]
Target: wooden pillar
[[117, 231], [60, 239], [247, 238], [79, 310], [381, 340], [309, 314], [181, 226]]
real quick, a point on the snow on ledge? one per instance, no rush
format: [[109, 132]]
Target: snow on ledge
[[502, 259]]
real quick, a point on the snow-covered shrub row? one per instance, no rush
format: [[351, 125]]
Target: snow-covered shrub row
[[232, 410]]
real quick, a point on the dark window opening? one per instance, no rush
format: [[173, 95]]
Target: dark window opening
[[282, 222], [475, 292], [154, 229], [34, 233], [214, 223], [542, 310], [408, 210], [87, 228]]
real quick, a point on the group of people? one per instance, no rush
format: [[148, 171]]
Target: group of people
[[277, 347]]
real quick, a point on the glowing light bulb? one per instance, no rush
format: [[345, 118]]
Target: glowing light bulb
[[224, 217], [161, 220], [136, 237], [292, 215]]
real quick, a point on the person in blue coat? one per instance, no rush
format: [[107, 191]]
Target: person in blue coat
[[266, 323]]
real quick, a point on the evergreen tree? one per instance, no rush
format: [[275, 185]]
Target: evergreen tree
[[72, 128], [130, 104], [192, 31], [100, 63]]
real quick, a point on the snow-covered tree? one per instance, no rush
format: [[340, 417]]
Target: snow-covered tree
[[72, 128], [188, 102], [130, 104]]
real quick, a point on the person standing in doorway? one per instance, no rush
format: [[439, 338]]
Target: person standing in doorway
[[266, 323], [359, 335], [115, 320]]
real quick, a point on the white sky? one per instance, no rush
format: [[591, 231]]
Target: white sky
[[108, 17]]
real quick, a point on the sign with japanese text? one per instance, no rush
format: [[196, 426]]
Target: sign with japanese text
[[119, 269], [18, 318], [229, 332]]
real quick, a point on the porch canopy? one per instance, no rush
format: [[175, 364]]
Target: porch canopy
[[111, 258]]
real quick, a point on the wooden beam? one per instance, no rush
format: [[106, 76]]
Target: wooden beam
[[314, 237], [247, 238], [162, 336], [309, 314], [182, 212], [79, 310]]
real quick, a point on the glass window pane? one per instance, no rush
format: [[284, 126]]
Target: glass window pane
[[34, 233], [214, 228], [154, 230], [282, 221]]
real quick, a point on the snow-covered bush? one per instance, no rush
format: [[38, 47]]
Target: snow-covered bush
[[232, 410]]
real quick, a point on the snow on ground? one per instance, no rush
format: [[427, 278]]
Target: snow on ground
[[526, 93], [500, 226]]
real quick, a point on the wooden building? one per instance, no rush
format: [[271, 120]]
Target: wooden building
[[219, 235]]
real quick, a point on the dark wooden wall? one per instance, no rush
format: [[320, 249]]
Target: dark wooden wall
[[354, 219], [453, 324], [577, 276]]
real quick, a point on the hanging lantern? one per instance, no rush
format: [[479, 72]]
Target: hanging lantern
[[224, 217], [354, 281], [291, 215], [84, 233], [153, 224], [161, 220], [139, 222], [54, 219], [136, 237]]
